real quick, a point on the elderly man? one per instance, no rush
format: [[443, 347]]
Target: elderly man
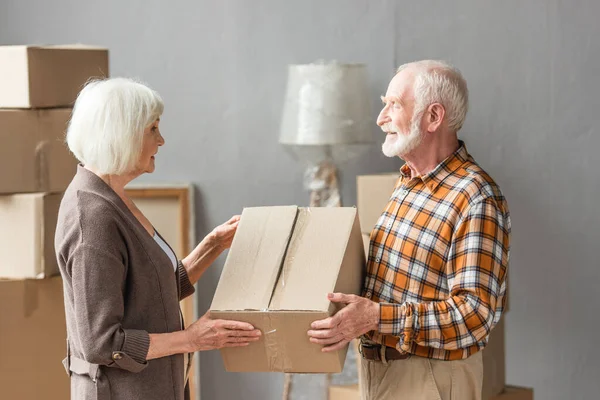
[[438, 256]]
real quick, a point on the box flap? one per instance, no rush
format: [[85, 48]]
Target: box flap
[[255, 258], [314, 258]]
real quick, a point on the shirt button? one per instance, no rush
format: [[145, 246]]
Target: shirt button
[[369, 294], [378, 259], [117, 356]]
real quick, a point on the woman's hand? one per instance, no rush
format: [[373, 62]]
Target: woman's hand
[[210, 248], [210, 334], [222, 235]]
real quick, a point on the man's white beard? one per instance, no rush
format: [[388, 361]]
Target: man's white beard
[[399, 144]]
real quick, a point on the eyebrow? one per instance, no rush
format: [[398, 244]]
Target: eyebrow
[[397, 99]]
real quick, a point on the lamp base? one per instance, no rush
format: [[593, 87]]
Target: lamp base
[[322, 181]]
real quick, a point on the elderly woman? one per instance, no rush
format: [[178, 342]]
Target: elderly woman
[[122, 281]]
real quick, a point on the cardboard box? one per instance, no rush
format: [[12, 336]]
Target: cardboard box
[[494, 365], [34, 156], [282, 263], [47, 76], [33, 340], [351, 392], [366, 242], [27, 235], [514, 393], [373, 193]]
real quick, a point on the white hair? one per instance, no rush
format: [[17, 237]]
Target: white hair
[[108, 122], [439, 82]]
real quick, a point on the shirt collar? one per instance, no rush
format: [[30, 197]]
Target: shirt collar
[[433, 179]]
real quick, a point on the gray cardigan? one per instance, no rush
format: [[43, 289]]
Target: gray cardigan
[[119, 286]]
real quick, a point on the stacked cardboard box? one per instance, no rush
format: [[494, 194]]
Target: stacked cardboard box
[[38, 86], [373, 193]]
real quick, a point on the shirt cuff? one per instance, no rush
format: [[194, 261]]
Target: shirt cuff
[[132, 356], [185, 286], [397, 320]]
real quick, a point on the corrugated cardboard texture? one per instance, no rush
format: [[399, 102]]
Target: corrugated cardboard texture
[[51, 76], [33, 155], [351, 392], [286, 260], [27, 235], [494, 358], [514, 393], [32, 340], [373, 193]]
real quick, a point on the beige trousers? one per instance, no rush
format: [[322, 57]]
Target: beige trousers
[[418, 378]]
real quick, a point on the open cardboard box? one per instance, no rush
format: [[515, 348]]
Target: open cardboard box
[[282, 263]]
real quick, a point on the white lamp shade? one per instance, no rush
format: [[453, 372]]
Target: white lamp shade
[[327, 105]]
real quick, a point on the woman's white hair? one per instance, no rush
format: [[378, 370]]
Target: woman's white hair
[[439, 82], [108, 122]]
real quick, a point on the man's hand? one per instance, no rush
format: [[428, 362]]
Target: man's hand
[[360, 315]]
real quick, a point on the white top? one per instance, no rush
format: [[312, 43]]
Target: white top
[[163, 245]]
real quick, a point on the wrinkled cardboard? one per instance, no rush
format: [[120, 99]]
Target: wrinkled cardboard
[[47, 76], [27, 235], [34, 156], [33, 340], [282, 263]]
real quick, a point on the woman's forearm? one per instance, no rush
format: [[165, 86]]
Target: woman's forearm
[[201, 258], [167, 344]]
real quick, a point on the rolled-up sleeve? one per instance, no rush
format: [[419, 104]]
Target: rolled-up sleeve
[[185, 285], [98, 278]]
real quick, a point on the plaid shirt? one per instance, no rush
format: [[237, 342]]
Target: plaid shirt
[[438, 259]]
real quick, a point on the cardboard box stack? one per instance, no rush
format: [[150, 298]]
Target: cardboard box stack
[[38, 86], [373, 193]]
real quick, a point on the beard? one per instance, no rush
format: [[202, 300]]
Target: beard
[[398, 143]]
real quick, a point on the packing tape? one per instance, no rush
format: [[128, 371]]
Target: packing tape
[[42, 170], [277, 357]]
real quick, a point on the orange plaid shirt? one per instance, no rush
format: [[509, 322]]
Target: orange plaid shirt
[[438, 259]]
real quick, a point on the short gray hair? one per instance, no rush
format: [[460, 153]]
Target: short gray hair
[[439, 82], [109, 117]]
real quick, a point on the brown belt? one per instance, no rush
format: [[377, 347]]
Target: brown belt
[[374, 353]]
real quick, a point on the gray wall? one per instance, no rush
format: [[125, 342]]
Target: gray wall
[[532, 68]]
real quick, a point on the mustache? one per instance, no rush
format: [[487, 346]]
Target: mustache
[[389, 127]]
